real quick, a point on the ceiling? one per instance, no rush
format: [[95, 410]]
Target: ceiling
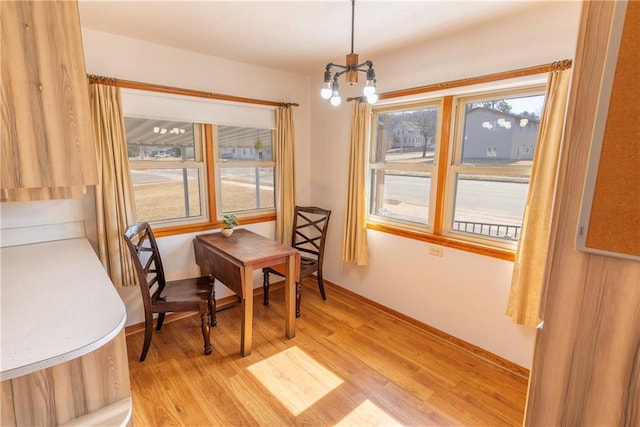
[[297, 36]]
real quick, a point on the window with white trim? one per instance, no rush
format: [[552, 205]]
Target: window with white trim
[[192, 160], [245, 169], [403, 164], [470, 187], [166, 163]]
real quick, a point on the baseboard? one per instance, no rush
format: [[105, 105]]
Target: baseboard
[[229, 301], [457, 342]]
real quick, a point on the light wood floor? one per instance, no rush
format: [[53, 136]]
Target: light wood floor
[[349, 364]]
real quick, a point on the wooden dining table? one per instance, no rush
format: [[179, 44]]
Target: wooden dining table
[[232, 260]]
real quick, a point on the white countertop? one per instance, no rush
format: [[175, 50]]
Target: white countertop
[[57, 303]]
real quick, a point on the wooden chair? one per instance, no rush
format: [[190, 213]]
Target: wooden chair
[[160, 296], [310, 226]]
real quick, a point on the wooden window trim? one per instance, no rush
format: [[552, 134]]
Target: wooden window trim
[[444, 241], [212, 223], [444, 159]]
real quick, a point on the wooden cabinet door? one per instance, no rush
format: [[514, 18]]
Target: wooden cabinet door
[[47, 140]]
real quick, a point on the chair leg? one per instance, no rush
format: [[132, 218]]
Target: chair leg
[[148, 332], [298, 292], [160, 321], [265, 287], [321, 285], [206, 329]]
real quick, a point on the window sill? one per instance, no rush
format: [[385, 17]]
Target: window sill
[[208, 226], [445, 241]]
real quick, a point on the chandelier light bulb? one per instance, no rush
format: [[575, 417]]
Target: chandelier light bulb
[[336, 100], [326, 91], [372, 99], [369, 89]]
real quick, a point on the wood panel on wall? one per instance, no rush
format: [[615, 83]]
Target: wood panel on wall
[[586, 368], [65, 392], [47, 141]]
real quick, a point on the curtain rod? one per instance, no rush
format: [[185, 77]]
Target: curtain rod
[[539, 69], [128, 84]]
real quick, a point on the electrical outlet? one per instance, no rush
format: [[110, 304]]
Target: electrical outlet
[[435, 250]]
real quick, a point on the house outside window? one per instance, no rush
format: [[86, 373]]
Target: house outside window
[[468, 187], [403, 163]]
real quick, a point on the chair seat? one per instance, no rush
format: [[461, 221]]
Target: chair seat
[[160, 296], [184, 294]]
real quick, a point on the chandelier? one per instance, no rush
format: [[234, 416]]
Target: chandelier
[[331, 89]]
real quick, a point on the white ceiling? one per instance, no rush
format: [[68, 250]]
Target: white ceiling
[[295, 36]]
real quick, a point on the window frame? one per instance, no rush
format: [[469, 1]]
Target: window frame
[[198, 163], [432, 169], [446, 151], [456, 166], [229, 163], [214, 219]]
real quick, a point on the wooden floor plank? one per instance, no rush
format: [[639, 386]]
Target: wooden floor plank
[[349, 364]]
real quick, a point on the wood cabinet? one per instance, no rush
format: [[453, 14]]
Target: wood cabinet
[[47, 141]]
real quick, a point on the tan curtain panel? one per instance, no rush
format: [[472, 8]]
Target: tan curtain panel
[[529, 268], [354, 241], [115, 206], [283, 154]]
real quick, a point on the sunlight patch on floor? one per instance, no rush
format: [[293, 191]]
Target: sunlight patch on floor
[[368, 414], [295, 379]]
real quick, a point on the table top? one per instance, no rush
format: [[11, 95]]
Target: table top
[[57, 304], [246, 247]]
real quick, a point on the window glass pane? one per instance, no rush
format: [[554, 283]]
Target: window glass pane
[[490, 205], [401, 195], [161, 140], [501, 131], [244, 189], [165, 194], [406, 136], [248, 144]]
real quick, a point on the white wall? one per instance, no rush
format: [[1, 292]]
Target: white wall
[[129, 59], [460, 293]]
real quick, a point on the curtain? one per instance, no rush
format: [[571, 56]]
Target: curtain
[[285, 174], [354, 241], [529, 267], [115, 207]]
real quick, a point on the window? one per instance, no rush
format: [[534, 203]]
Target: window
[[245, 169], [464, 179], [167, 170], [403, 164]]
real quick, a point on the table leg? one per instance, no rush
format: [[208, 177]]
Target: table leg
[[290, 295], [247, 312]]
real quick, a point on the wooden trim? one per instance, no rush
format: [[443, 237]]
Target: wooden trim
[[128, 84], [450, 339], [487, 78], [443, 159], [445, 241], [210, 168], [209, 226]]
